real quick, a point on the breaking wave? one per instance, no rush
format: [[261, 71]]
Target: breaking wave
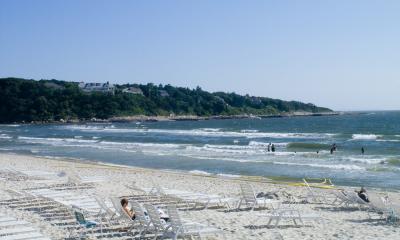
[[365, 136]]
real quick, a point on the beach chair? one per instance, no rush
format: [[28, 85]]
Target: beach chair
[[142, 222], [249, 199], [291, 213], [13, 229], [394, 213], [198, 200], [157, 226], [105, 211], [312, 196], [178, 228], [379, 205], [83, 224]]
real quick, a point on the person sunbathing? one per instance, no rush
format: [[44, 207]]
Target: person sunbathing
[[363, 194], [129, 211]]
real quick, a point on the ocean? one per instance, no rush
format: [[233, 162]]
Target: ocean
[[232, 147]]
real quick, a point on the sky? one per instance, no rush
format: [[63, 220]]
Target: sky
[[340, 54]]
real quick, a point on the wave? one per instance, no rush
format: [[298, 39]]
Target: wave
[[249, 131], [388, 140], [366, 160], [5, 136], [303, 145], [228, 175], [204, 132], [265, 144], [199, 172], [335, 166], [210, 129], [394, 161], [365, 136], [228, 159], [47, 140], [253, 149]]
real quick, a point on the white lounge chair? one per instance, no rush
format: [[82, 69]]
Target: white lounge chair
[[14, 229], [291, 213], [249, 199], [198, 199], [313, 196], [178, 228]]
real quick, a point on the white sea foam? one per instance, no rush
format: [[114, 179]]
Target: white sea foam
[[210, 129], [265, 144], [249, 131], [205, 132], [335, 166], [54, 141], [225, 175], [366, 160], [5, 136], [199, 172], [388, 140], [365, 136]]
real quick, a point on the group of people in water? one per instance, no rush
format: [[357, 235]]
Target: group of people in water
[[271, 147]]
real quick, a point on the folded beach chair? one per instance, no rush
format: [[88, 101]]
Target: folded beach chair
[[142, 222], [13, 229], [179, 228], [291, 213], [379, 205], [314, 197], [198, 199], [156, 226], [394, 216], [249, 199], [84, 225]]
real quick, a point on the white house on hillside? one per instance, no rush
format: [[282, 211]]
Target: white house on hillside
[[97, 87]]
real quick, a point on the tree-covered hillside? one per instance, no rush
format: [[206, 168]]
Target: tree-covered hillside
[[51, 100]]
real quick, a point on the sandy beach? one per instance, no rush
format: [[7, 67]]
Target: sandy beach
[[336, 222]]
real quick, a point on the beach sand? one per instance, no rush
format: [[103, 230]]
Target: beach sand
[[338, 223]]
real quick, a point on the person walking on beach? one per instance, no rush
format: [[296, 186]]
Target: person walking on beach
[[362, 150], [273, 148]]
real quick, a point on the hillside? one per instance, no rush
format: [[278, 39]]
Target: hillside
[[25, 100]]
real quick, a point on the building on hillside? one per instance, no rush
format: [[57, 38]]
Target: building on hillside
[[163, 93], [133, 90], [97, 87], [255, 100]]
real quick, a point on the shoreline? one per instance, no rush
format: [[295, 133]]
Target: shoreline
[[144, 118], [275, 180]]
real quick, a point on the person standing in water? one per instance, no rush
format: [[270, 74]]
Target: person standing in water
[[362, 150], [273, 148], [269, 147], [333, 148]]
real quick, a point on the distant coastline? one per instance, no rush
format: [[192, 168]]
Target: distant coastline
[[216, 117], [54, 101], [143, 118]]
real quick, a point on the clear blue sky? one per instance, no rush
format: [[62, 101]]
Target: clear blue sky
[[336, 53]]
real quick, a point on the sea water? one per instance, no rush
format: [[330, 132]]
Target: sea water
[[232, 147]]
